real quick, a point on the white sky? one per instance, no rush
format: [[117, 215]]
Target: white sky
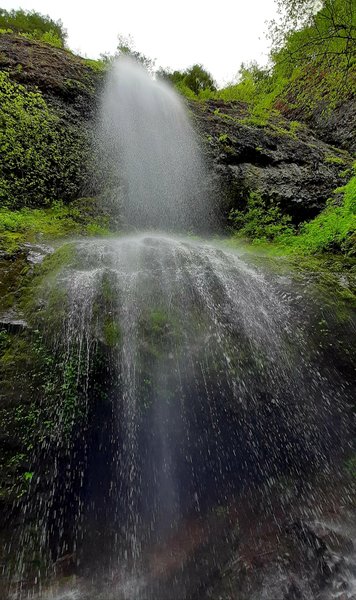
[[219, 35]]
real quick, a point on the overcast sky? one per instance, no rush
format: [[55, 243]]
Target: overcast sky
[[218, 34]]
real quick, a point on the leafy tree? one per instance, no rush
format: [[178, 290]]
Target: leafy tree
[[127, 46], [309, 30], [195, 79], [198, 79], [35, 25]]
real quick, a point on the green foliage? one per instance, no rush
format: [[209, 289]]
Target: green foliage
[[112, 333], [316, 55], [41, 159], [30, 225], [333, 230], [33, 25], [197, 79], [125, 47], [312, 62], [308, 31], [98, 66], [252, 83], [193, 83], [259, 221]]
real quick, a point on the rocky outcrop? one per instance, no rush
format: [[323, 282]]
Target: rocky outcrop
[[283, 161], [336, 126], [292, 556], [65, 80]]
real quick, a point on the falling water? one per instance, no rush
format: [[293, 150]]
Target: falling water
[[207, 402], [149, 152]]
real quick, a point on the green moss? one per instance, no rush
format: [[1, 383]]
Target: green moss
[[334, 160], [42, 158], [112, 333], [350, 466], [31, 225], [107, 289], [159, 329]]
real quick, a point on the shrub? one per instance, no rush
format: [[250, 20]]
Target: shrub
[[259, 221], [193, 82], [334, 229]]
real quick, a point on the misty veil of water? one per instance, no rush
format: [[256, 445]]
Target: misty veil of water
[[207, 399], [151, 152]]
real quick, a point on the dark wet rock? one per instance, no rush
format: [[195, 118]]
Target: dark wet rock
[[292, 168], [297, 560], [336, 126], [36, 253], [12, 321], [65, 566]]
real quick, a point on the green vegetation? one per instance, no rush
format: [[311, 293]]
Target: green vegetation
[[312, 64], [259, 221], [112, 333], [31, 225], [41, 160], [333, 230], [350, 466], [192, 83], [34, 26]]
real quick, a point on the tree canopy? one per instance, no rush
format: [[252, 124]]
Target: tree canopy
[[309, 30], [195, 78]]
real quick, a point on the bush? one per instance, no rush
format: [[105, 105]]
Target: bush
[[259, 221], [334, 229]]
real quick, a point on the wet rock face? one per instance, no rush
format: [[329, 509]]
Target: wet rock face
[[286, 164], [336, 127], [301, 560]]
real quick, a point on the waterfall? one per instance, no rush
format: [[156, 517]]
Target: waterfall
[[198, 400], [150, 154]]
